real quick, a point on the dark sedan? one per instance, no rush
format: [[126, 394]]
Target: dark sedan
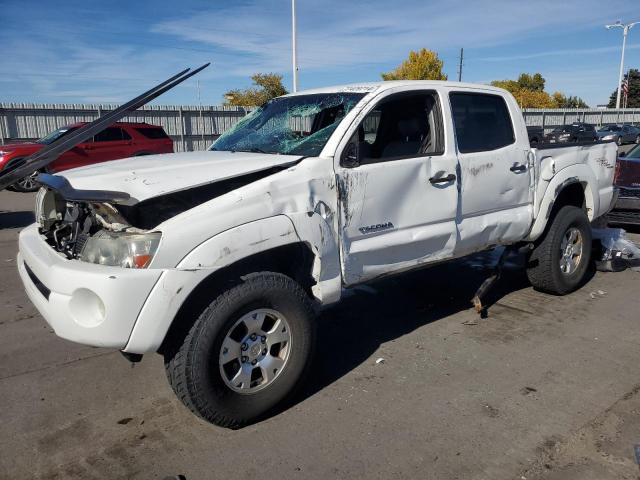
[[627, 179], [575, 132], [620, 134]]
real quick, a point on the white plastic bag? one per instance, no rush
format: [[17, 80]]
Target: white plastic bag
[[618, 252]]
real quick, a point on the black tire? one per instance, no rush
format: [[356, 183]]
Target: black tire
[[26, 185], [17, 187], [193, 366], [543, 267], [620, 141]]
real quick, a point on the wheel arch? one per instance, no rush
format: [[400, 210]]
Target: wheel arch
[[572, 186], [269, 244], [294, 260]]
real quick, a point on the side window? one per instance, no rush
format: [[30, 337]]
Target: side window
[[112, 134], [404, 125], [152, 133], [482, 122]]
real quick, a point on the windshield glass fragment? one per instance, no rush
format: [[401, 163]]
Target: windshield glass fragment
[[296, 125]]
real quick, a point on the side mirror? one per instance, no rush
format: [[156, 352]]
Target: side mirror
[[351, 155]]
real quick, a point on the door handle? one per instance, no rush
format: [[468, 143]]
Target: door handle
[[518, 167], [445, 179]]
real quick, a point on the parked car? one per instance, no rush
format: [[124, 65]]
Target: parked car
[[620, 134], [576, 132], [627, 179], [121, 140], [536, 134], [218, 260]]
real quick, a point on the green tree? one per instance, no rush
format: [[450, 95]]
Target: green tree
[[525, 81], [533, 82], [266, 86], [422, 65], [562, 101], [634, 91]]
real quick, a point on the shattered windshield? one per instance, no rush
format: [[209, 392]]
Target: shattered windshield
[[56, 134], [296, 125]]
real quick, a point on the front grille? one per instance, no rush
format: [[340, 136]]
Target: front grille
[[630, 192], [36, 281]]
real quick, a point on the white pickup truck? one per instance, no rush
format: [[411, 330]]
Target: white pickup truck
[[218, 260]]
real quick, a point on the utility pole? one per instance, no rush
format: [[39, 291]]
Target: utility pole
[[625, 32], [294, 52], [460, 66]]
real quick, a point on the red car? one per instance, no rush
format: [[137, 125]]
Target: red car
[[120, 140], [627, 179]]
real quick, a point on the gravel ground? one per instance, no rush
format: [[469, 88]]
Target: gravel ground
[[545, 387]]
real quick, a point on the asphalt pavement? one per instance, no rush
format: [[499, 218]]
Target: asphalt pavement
[[544, 388]]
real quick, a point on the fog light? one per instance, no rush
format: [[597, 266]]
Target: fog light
[[87, 309]]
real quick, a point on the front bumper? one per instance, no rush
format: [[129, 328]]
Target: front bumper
[[83, 302]]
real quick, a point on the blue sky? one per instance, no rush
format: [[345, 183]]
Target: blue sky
[[87, 51]]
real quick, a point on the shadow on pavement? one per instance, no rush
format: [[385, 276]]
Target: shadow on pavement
[[15, 219], [349, 333]]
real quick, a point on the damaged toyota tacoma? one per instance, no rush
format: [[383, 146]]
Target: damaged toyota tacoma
[[218, 260]]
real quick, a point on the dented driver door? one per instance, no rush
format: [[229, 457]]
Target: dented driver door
[[397, 189]]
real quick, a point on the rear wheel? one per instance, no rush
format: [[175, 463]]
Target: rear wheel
[[559, 262], [619, 141], [246, 353]]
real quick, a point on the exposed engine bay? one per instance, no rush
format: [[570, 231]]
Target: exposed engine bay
[[67, 225]]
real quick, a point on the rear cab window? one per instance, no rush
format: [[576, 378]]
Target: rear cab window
[[482, 122]]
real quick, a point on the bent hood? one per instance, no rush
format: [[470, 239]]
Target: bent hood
[[153, 175]]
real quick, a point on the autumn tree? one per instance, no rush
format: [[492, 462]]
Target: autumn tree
[[422, 65], [528, 91], [633, 99], [266, 86]]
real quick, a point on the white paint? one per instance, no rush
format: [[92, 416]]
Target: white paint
[[153, 175], [486, 205]]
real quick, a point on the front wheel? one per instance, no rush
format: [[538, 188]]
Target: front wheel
[[246, 353], [559, 262], [26, 184]]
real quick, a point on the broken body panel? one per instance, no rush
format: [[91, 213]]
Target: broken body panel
[[359, 221]]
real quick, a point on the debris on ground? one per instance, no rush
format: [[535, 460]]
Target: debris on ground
[[597, 293], [379, 360], [618, 252]]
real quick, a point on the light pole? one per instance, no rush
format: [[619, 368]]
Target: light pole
[[294, 56], [625, 32]]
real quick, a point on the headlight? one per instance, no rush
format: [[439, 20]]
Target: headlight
[[608, 137], [565, 135], [121, 249]]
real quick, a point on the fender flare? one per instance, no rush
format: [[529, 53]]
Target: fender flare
[[175, 285], [580, 174]]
